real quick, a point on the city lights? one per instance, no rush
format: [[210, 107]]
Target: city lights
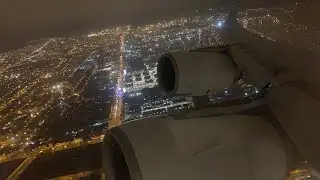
[[54, 82], [219, 24]]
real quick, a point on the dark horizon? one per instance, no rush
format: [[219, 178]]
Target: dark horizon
[[26, 21]]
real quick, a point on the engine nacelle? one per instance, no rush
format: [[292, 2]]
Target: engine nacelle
[[195, 73], [228, 147]]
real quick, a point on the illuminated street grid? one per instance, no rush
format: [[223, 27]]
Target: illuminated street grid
[[278, 25], [60, 93]]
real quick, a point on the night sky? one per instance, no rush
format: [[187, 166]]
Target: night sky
[[22, 21]]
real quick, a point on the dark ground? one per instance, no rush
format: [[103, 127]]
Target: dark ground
[[65, 162], [8, 167]]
